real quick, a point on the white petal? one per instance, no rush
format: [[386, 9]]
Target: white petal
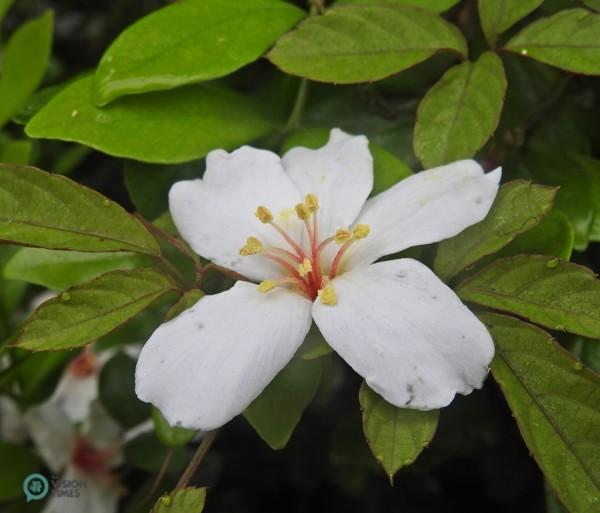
[[215, 215], [340, 174], [406, 333], [427, 207], [206, 366], [74, 394], [92, 495], [52, 433]]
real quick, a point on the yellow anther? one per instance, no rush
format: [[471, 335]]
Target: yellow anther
[[305, 267], [252, 246], [342, 235], [264, 214], [361, 231], [327, 295], [267, 285], [302, 211], [312, 202]]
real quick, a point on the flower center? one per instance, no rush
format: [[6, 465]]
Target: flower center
[[84, 365], [303, 269]]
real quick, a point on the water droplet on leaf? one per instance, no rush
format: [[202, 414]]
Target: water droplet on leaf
[[551, 264]]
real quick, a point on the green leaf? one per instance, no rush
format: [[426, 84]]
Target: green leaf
[[432, 5], [555, 402], [553, 236], [88, 311], [395, 435], [275, 413], [145, 452], [116, 390], [22, 463], [59, 270], [163, 127], [4, 7], [388, 170], [38, 374], [186, 500], [190, 42], [16, 152], [499, 15], [518, 207], [548, 291], [568, 40], [360, 43], [149, 184], [24, 62], [593, 4], [189, 299], [171, 436], [314, 345], [460, 113], [52, 211]]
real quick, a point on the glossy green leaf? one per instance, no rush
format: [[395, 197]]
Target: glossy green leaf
[[460, 112], [360, 43], [59, 270], [171, 436], [186, 500], [116, 390], [395, 435], [24, 62], [16, 152], [432, 5], [591, 171], [388, 170], [518, 207], [162, 127], [553, 236], [499, 15], [555, 401], [149, 184], [52, 211], [22, 463], [190, 42], [568, 40], [276, 411], [548, 291], [88, 311]]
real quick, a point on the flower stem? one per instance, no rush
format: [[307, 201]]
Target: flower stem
[[203, 448]]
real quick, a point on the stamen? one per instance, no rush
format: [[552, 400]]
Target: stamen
[[327, 296], [302, 211], [264, 215], [266, 286], [361, 231], [252, 247], [312, 202], [305, 267], [342, 235]]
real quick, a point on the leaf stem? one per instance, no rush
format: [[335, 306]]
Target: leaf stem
[[298, 109], [160, 475], [203, 448]]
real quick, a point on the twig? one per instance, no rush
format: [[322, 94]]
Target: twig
[[189, 472]]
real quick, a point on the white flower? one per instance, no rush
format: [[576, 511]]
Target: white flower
[[302, 226], [85, 456]]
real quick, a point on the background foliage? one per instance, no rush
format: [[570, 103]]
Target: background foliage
[[121, 99]]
